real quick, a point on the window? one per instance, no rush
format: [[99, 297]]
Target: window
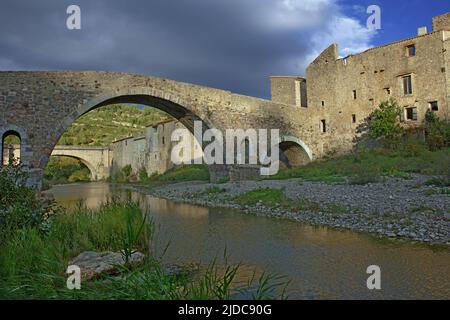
[[354, 94], [323, 126], [323, 103], [298, 93], [387, 91], [411, 51], [407, 85], [354, 118], [10, 151], [434, 106], [411, 113], [163, 140]]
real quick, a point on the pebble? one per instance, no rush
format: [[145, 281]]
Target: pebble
[[411, 213]]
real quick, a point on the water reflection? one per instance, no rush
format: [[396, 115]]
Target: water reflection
[[321, 262]]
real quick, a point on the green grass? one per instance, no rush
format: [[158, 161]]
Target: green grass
[[184, 173], [33, 263], [277, 198], [265, 196], [214, 190], [438, 191], [370, 166]]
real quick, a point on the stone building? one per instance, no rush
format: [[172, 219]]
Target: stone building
[[341, 92], [151, 150], [316, 115]]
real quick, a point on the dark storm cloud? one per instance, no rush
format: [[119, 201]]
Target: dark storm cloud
[[229, 44]]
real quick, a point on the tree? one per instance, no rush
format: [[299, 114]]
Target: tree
[[384, 123], [437, 132]]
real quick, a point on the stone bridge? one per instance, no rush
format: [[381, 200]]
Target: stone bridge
[[97, 159], [39, 106]]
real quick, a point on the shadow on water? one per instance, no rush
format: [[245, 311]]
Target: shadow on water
[[320, 262]]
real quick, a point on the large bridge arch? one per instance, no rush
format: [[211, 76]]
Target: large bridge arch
[[170, 104], [45, 104]]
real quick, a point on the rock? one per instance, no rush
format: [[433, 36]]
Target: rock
[[93, 264], [391, 234]]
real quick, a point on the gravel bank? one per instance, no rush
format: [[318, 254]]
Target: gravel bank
[[393, 208]]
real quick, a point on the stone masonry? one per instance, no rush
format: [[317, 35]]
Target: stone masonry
[[342, 92], [318, 114]]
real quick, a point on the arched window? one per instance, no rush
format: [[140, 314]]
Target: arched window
[[11, 147]]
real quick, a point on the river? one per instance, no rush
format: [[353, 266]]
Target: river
[[320, 262]]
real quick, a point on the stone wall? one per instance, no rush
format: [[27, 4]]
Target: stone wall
[[343, 92], [340, 93], [289, 90], [441, 22], [40, 107], [150, 151]]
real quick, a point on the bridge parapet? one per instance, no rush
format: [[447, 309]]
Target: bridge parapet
[[41, 106]]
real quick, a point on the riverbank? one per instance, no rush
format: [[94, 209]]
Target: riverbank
[[412, 208], [33, 262]]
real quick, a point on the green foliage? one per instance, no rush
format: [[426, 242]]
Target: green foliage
[[102, 126], [266, 196], [132, 235], [32, 264], [82, 175], [20, 206], [214, 190], [11, 139], [384, 123], [437, 132], [276, 198], [127, 170], [61, 170], [143, 176], [376, 162], [363, 175], [223, 180], [123, 175]]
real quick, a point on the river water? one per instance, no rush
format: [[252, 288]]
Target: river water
[[320, 262]]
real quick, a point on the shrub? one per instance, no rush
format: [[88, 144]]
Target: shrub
[[123, 175], [20, 206], [143, 176], [437, 132], [127, 170], [82, 175], [384, 123]]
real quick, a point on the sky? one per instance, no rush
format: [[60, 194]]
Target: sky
[[234, 45]]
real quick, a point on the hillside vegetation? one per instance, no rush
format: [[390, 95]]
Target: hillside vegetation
[[102, 126]]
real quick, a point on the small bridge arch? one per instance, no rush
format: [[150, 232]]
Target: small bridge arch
[[97, 159], [294, 152]]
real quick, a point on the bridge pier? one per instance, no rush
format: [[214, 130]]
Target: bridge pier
[[41, 106]]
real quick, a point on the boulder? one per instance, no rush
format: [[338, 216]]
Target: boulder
[[94, 264]]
